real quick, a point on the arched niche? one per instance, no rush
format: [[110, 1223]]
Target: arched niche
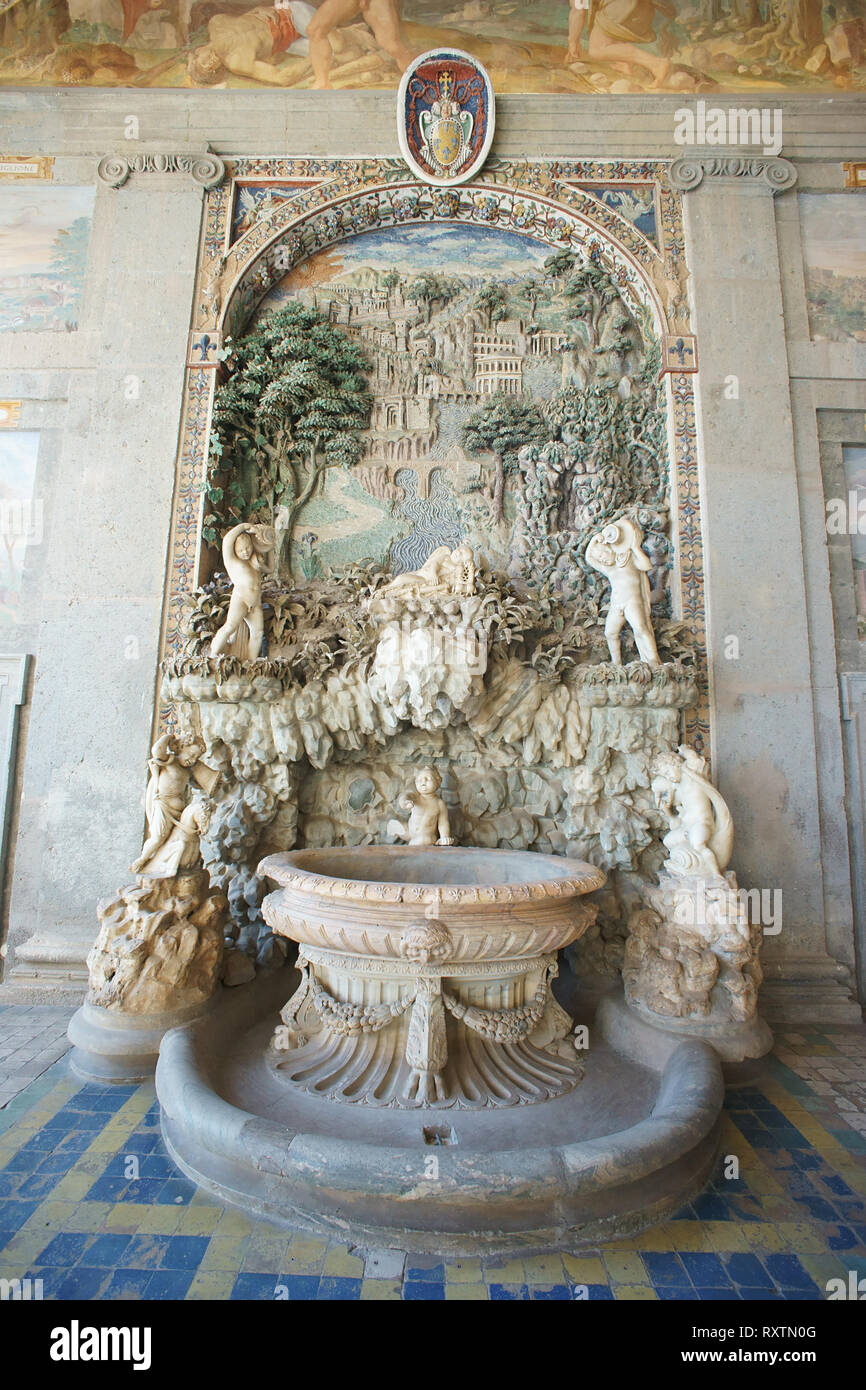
[[336, 200]]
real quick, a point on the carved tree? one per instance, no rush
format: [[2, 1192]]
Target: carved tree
[[492, 302], [294, 407], [502, 427]]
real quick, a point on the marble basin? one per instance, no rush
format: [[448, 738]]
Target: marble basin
[[497, 904], [426, 973]]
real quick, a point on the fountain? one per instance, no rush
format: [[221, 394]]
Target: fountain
[[442, 962]]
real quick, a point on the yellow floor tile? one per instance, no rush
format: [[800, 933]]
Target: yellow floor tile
[[504, 1272], [235, 1223], [126, 1217], [688, 1235], [380, 1291], [544, 1269], [585, 1269], [625, 1268], [163, 1221], [88, 1216], [726, 1235], [476, 1293], [340, 1263], [212, 1284], [656, 1238], [634, 1292], [801, 1238], [263, 1256], [463, 1272], [764, 1236], [224, 1253], [199, 1221]]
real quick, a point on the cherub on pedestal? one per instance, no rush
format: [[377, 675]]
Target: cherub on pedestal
[[616, 553], [247, 555], [428, 822]]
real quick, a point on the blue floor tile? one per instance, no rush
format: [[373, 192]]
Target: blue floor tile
[[343, 1289], [417, 1290], [788, 1273], [559, 1293], [65, 1249], [168, 1284], [184, 1252], [258, 1287], [705, 1269], [746, 1270], [298, 1287], [82, 1282], [508, 1292], [128, 1284]]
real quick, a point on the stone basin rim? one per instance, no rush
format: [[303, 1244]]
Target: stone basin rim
[[573, 878]]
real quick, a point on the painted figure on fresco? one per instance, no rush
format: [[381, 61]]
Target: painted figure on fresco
[[246, 553], [616, 553], [428, 822], [251, 45], [617, 32], [383, 17]]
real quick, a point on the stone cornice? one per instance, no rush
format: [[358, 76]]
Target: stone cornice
[[207, 170], [753, 171]]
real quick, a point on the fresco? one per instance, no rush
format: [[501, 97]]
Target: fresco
[[43, 252], [547, 46], [20, 516], [854, 460], [834, 252]]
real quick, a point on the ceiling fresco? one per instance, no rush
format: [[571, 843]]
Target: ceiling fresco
[[588, 47]]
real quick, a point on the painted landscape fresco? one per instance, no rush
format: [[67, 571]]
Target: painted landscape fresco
[[834, 251], [541, 46], [43, 252]]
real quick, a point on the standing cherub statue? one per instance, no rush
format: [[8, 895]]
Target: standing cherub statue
[[616, 552], [170, 831], [428, 822], [246, 554]]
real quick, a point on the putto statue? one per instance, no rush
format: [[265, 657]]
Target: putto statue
[[428, 822], [701, 835], [173, 827], [691, 957], [247, 555], [616, 552]]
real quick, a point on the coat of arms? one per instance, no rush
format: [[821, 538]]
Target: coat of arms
[[445, 116]]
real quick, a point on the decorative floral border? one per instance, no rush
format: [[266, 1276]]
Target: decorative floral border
[[538, 198]]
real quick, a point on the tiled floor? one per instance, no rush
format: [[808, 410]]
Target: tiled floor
[[32, 1038], [91, 1205]]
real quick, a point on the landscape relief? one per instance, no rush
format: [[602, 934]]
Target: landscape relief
[[43, 252], [473, 389], [834, 252], [617, 46]]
